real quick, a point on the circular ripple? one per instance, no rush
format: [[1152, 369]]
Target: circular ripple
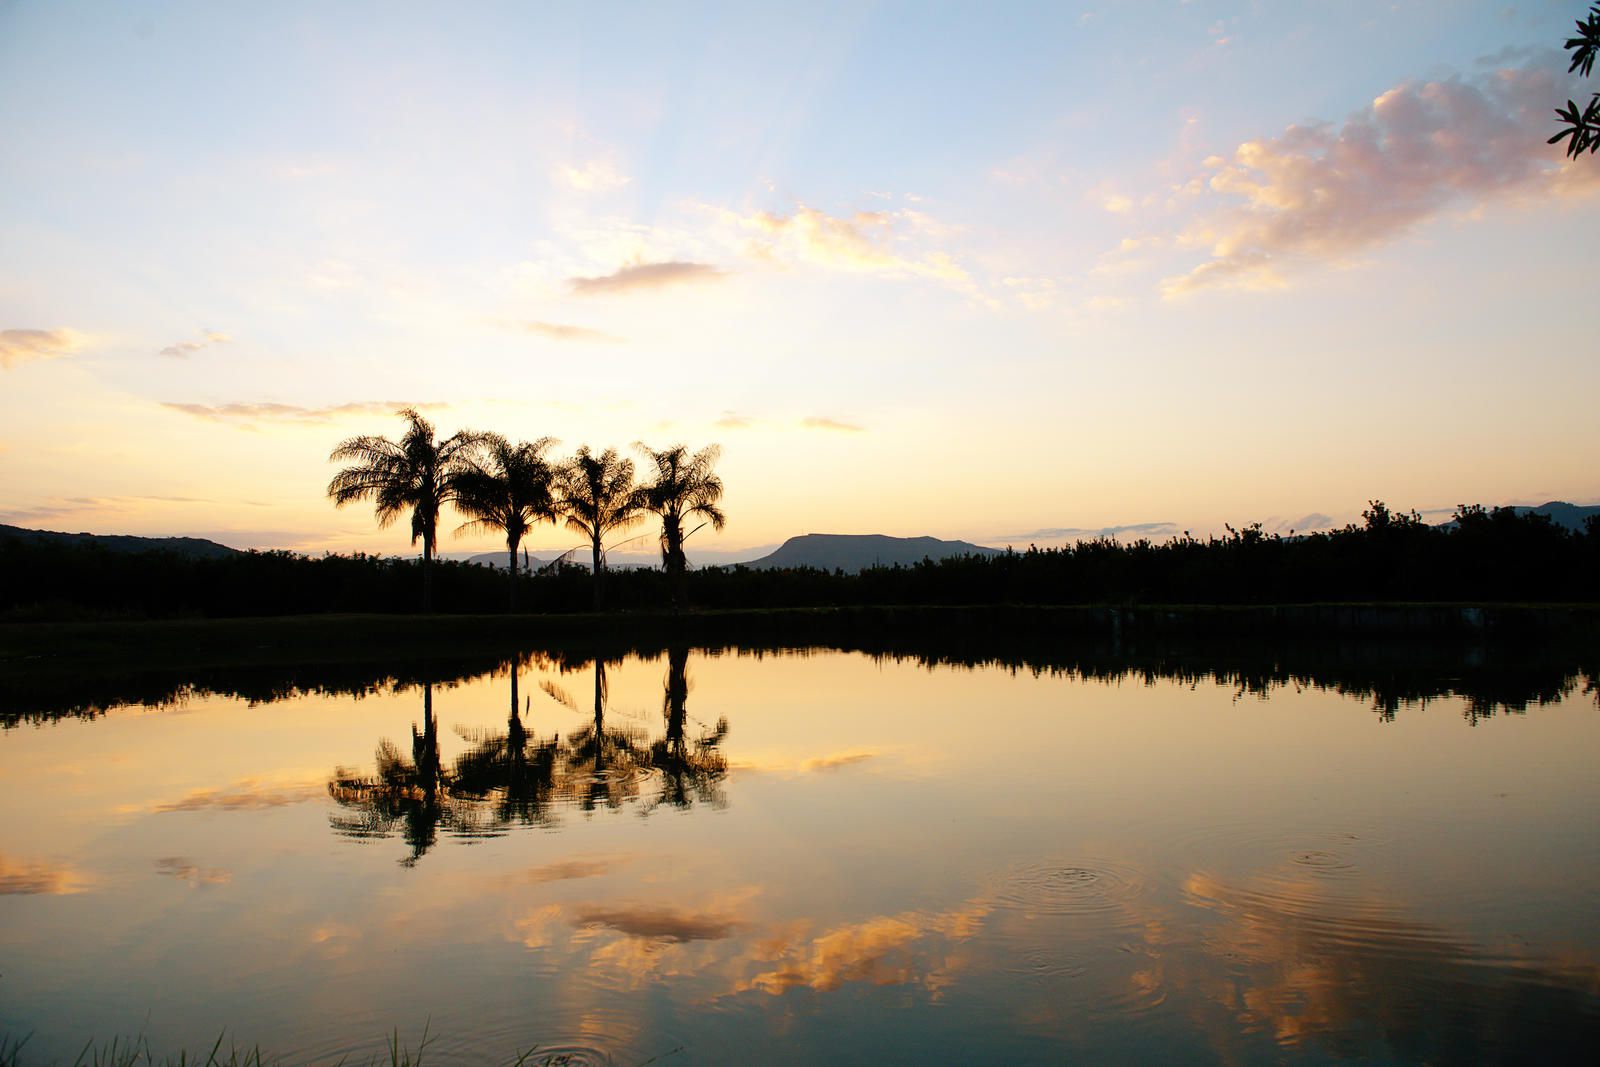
[[1324, 862], [567, 1056], [1040, 963], [1084, 888]]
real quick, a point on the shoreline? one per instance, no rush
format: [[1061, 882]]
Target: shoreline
[[29, 646]]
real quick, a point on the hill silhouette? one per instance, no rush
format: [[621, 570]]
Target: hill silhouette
[[854, 552], [191, 547]]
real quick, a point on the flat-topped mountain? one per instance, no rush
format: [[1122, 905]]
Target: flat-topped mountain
[[854, 552], [195, 547]]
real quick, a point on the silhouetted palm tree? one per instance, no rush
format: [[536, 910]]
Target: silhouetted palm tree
[[416, 472], [685, 487], [597, 497], [507, 490]]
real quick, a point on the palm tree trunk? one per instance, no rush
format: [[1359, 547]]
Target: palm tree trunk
[[511, 544], [427, 575], [599, 576]]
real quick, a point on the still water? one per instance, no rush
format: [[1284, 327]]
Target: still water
[[812, 856]]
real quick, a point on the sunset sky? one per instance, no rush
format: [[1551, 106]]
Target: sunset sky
[[998, 272]]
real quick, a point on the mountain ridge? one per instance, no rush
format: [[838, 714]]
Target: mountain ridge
[[855, 552]]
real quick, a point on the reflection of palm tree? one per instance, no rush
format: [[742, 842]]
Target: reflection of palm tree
[[685, 487], [521, 772], [612, 756], [416, 472], [689, 770], [408, 794], [597, 497], [508, 494]]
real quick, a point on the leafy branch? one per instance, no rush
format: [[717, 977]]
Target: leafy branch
[[1582, 126]]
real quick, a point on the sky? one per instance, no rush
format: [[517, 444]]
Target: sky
[[1010, 273]]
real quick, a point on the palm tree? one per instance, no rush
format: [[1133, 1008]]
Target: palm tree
[[685, 488], [598, 497], [508, 492], [416, 472]]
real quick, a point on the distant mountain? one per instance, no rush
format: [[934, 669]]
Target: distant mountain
[[195, 547], [854, 552], [1572, 516]]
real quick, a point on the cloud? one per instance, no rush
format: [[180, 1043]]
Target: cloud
[[821, 422], [660, 924], [558, 331], [198, 877], [293, 413], [19, 346], [1304, 524], [34, 879], [1324, 192], [563, 871], [732, 420], [836, 761], [185, 349], [247, 795], [868, 241], [646, 276], [595, 176], [886, 950], [1082, 533]]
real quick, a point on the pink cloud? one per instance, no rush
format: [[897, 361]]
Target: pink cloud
[[1324, 191]]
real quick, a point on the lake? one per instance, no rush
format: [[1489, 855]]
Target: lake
[[824, 855]]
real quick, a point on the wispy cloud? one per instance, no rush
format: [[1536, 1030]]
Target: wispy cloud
[[732, 420], [20, 346], [822, 422], [593, 176], [564, 871], [559, 331], [660, 924], [1085, 533], [243, 413], [836, 761], [35, 879], [640, 276], [247, 795], [185, 349], [1325, 191], [877, 242], [197, 877]]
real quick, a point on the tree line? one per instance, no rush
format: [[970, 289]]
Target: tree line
[[509, 488], [1484, 555]]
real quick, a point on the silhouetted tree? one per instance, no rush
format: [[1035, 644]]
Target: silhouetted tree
[[416, 472], [1582, 126], [685, 488], [410, 794], [508, 490], [597, 497], [688, 769]]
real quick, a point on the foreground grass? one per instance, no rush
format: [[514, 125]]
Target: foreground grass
[[136, 1052]]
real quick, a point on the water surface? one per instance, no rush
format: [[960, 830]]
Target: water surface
[[813, 856]]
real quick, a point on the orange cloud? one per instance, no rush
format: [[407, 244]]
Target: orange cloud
[[660, 923], [185, 349], [558, 331], [27, 879], [820, 422], [646, 276], [868, 241], [273, 412], [19, 346]]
